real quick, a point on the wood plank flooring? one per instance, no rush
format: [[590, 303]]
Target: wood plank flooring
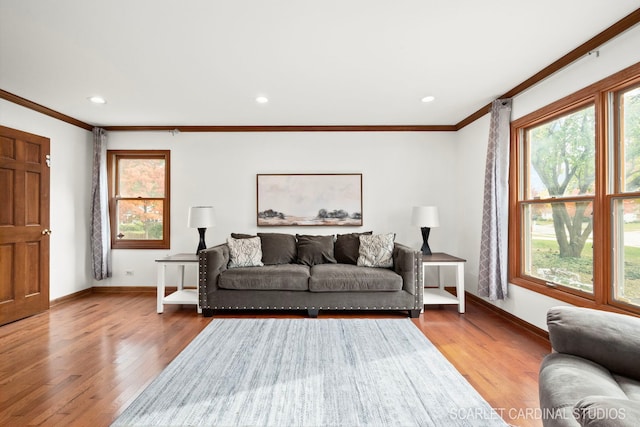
[[82, 362]]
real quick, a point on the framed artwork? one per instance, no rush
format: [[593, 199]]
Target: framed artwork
[[309, 199]]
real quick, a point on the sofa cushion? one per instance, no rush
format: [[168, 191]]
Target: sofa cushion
[[376, 250], [278, 248], [244, 252], [343, 277], [314, 250], [347, 247], [270, 277]]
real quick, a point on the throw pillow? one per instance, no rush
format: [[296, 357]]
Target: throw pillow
[[242, 236], [278, 248], [314, 250], [376, 250], [347, 247], [244, 252]]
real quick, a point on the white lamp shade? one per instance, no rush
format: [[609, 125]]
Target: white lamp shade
[[201, 217], [425, 216]]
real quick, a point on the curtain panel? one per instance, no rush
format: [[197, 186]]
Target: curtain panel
[[492, 277], [100, 230]]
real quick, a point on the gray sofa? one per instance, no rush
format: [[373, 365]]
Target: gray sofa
[[592, 377], [295, 276]]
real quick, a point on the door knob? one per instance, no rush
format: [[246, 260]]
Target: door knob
[[46, 232]]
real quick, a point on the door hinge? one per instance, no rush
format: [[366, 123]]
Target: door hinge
[[47, 159]]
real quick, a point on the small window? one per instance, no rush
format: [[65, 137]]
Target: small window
[[139, 198]]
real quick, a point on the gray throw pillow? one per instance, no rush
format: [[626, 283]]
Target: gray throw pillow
[[278, 248], [347, 247], [314, 250]]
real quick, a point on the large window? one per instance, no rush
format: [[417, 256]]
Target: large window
[[575, 196], [139, 199]]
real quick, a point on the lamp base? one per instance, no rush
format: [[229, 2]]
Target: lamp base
[[426, 250], [201, 244]]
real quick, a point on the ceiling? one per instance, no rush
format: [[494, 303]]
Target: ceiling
[[331, 62]]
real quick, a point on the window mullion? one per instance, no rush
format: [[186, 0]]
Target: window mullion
[[601, 210]]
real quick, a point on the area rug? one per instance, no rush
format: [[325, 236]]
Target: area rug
[[310, 372]]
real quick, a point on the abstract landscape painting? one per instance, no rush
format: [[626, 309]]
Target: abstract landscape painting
[[309, 199]]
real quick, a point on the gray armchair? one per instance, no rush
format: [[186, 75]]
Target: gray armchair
[[592, 377]]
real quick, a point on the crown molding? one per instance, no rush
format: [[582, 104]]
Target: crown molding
[[42, 109], [303, 128]]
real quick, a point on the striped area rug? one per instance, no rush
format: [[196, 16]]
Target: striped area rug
[[310, 372]]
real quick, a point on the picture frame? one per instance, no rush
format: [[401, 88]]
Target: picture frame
[[309, 199]]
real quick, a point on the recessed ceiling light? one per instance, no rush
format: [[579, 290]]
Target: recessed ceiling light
[[262, 99], [428, 98], [97, 99]]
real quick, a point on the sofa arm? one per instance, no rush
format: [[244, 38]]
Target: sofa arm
[[608, 339], [407, 263], [212, 262]]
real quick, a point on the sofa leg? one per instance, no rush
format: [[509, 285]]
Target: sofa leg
[[313, 312], [414, 314], [207, 312]]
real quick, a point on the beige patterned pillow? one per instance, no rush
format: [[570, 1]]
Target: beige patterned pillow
[[244, 252], [376, 250]]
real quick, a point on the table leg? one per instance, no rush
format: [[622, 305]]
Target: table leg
[[460, 286], [181, 277], [160, 286]]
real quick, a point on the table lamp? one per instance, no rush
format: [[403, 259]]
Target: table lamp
[[425, 217], [201, 217]]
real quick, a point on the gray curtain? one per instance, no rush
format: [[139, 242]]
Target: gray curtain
[[492, 277], [100, 231]]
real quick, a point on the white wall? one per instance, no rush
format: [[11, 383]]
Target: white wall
[[472, 144], [71, 154], [400, 170]]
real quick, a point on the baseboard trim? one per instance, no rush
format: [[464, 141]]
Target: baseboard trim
[[508, 316], [70, 297], [121, 289], [106, 289]]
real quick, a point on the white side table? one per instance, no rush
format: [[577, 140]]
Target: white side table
[[439, 295], [181, 295]]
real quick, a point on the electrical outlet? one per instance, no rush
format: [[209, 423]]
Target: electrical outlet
[[129, 272]]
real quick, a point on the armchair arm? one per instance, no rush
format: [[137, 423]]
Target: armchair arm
[[608, 339], [212, 262], [605, 411], [407, 263]]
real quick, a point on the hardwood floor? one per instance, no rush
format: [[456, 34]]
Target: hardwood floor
[[82, 362]]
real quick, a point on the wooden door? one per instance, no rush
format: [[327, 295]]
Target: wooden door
[[24, 224]]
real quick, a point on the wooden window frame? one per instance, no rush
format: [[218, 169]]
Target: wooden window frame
[[601, 95], [112, 173]]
